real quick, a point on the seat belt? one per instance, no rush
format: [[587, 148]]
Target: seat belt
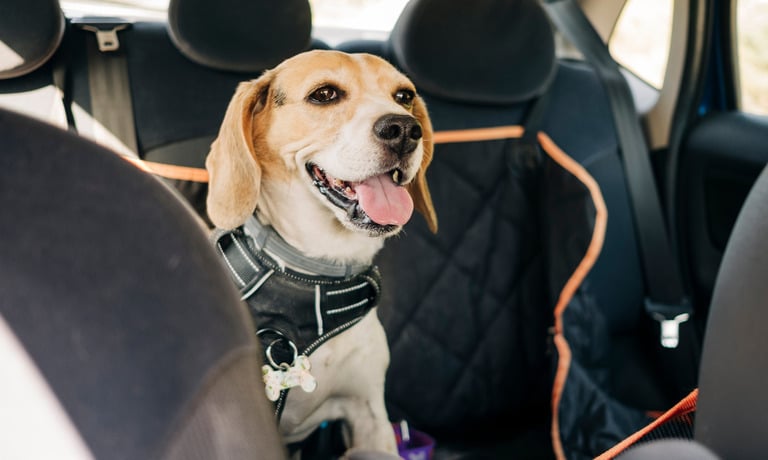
[[112, 105], [63, 81], [666, 299], [109, 86]]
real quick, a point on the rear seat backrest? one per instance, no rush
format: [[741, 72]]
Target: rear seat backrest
[[467, 323], [478, 304], [30, 34], [183, 76]]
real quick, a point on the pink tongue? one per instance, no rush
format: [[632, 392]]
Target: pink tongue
[[383, 201]]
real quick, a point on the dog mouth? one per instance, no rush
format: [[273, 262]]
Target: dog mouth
[[379, 204]]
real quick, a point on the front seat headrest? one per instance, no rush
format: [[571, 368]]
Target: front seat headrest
[[240, 36], [484, 51], [30, 32]]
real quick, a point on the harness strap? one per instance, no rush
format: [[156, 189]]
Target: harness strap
[[316, 304], [294, 313], [248, 274]]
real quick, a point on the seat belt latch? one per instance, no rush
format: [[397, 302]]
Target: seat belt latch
[[670, 317], [106, 33]]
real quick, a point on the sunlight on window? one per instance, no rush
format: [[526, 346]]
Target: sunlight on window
[[752, 55], [641, 39], [379, 15], [139, 10]]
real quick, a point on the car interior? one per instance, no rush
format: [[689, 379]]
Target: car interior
[[581, 283]]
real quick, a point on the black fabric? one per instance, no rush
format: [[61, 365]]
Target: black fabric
[[284, 301], [732, 396], [615, 374], [114, 291], [227, 420], [479, 317], [475, 52], [33, 30], [473, 306], [662, 273], [240, 36], [375, 47]]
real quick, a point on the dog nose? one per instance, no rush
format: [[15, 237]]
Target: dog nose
[[399, 133]]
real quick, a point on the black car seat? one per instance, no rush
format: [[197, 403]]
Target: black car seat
[[181, 75], [732, 399], [523, 317], [730, 403], [30, 35], [118, 313]]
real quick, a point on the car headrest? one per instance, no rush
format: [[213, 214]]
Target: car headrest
[[484, 51], [30, 32], [240, 36]]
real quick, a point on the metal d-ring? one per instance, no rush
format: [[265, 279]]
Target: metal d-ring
[[271, 360]]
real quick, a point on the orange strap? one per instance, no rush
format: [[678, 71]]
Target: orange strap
[[170, 171], [685, 406], [478, 134], [576, 279], [191, 174]]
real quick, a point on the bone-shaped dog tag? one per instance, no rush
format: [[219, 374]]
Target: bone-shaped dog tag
[[285, 377], [273, 381], [299, 375]]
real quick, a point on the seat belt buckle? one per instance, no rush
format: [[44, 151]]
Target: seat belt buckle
[[106, 32], [670, 317]]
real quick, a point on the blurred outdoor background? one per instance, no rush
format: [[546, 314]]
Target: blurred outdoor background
[[640, 40]]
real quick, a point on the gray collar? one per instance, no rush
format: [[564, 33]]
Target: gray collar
[[266, 239]]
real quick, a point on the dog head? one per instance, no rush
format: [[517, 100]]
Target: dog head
[[326, 140]]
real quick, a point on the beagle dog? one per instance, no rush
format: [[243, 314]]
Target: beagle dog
[[329, 151]]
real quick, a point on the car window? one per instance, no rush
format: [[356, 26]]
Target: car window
[[641, 38], [137, 10], [333, 20], [357, 14], [336, 21], [752, 55]]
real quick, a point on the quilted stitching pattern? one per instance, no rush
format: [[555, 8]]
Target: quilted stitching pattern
[[472, 294]]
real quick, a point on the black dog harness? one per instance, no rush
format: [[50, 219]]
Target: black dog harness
[[294, 312]]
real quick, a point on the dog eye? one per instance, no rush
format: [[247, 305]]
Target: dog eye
[[324, 95], [404, 97]]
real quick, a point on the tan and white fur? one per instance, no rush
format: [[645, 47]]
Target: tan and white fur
[[319, 108]]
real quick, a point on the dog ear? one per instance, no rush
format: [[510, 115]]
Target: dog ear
[[418, 189], [234, 175]]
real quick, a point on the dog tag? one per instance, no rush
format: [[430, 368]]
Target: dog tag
[[273, 381], [285, 377], [299, 375]]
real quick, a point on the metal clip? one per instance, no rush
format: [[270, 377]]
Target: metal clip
[[106, 38], [670, 329], [670, 317]]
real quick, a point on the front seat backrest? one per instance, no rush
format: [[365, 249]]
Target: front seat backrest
[[115, 293], [733, 400]]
